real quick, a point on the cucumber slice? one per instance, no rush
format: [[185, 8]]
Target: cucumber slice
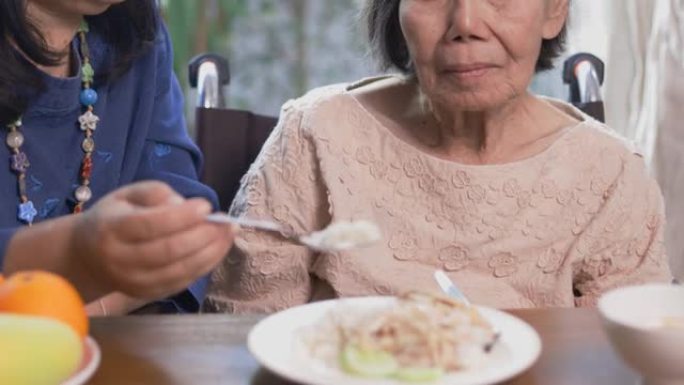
[[419, 374], [367, 363]]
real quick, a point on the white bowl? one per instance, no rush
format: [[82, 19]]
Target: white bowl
[[634, 318]]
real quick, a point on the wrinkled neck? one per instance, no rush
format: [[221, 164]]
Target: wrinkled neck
[[482, 131], [492, 135]]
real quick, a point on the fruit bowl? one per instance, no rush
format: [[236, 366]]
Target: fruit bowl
[[43, 320], [89, 364]]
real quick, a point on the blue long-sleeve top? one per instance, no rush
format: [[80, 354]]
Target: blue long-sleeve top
[[141, 136]]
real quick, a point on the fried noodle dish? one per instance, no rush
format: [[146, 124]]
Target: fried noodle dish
[[419, 338]]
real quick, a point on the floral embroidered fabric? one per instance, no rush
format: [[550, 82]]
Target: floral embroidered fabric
[[556, 229]]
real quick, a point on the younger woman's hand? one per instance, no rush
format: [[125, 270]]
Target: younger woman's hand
[[148, 242]]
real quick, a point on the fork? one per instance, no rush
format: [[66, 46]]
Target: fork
[[450, 289]]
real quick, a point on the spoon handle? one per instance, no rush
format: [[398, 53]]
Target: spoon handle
[[256, 224]]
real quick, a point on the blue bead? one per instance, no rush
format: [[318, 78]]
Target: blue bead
[[27, 212], [88, 97]]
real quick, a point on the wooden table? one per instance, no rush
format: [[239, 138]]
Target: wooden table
[[210, 349]]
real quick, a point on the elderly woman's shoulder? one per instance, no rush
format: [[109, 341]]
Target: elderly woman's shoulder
[[603, 137], [610, 151], [334, 98], [330, 112], [318, 98]]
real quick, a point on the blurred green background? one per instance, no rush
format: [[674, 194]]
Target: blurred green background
[[200, 25], [277, 49]]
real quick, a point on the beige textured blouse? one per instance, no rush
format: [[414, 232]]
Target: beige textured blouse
[[556, 229]]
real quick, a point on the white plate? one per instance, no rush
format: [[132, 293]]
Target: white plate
[[89, 364], [273, 342]]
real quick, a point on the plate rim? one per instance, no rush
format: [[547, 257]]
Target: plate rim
[[83, 375], [537, 345]]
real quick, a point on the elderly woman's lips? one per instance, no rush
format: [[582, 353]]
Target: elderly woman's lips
[[468, 71]]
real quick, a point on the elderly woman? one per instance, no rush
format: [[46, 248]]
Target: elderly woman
[[524, 201]]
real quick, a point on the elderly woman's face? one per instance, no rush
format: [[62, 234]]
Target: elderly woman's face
[[477, 54]]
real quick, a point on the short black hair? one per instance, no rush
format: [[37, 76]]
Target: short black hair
[[130, 28], [389, 45]]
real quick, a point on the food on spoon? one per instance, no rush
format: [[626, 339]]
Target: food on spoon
[[37, 350], [344, 235]]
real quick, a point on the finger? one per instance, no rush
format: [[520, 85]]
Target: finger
[[178, 276], [148, 224], [199, 265], [167, 250], [149, 194], [130, 278]]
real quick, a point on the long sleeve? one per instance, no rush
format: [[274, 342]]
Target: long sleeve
[[169, 155], [263, 273], [624, 243]]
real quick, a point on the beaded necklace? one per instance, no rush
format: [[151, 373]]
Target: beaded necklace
[[19, 162]]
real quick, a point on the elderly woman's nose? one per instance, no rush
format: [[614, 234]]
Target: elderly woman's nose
[[466, 20]]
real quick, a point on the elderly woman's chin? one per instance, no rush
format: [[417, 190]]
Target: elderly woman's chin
[[470, 98], [471, 91]]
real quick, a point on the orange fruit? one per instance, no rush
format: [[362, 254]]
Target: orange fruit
[[44, 294]]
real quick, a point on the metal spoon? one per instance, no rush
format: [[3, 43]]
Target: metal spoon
[[308, 240], [450, 289], [265, 226]]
